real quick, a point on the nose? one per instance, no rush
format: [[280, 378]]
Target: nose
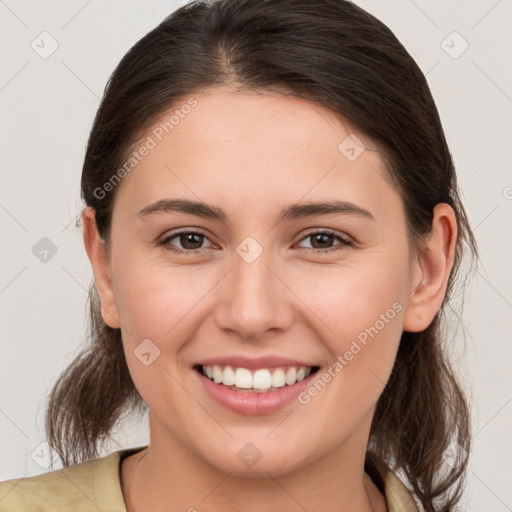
[[254, 299]]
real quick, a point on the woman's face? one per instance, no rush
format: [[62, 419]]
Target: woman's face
[[257, 288]]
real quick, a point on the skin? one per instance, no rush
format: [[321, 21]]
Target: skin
[[253, 154]]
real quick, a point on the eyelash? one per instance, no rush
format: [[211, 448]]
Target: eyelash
[[191, 252]]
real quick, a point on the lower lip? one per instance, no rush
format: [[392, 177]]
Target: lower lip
[[253, 404]]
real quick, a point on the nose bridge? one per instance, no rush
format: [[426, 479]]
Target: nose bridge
[[253, 299]]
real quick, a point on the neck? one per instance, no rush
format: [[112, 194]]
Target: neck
[[168, 476]]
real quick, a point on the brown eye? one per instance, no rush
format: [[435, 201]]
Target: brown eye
[[322, 241], [191, 240], [184, 241]]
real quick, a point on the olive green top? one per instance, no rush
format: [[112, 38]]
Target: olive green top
[[95, 486]]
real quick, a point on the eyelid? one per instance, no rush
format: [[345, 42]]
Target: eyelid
[[328, 231]]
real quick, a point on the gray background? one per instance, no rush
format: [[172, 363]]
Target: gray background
[[46, 110]]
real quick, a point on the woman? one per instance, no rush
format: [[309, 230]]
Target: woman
[[274, 226]]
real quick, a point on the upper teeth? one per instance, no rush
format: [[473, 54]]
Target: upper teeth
[[258, 379]]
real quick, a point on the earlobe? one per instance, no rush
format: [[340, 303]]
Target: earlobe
[[431, 270], [97, 256]]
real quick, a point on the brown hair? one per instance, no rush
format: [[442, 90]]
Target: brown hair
[[333, 53]]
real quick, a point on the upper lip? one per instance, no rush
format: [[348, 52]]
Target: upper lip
[[254, 363]]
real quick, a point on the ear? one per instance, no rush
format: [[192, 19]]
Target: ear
[[431, 270], [95, 248]]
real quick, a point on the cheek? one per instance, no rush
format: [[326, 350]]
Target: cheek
[[350, 299], [160, 308], [155, 299], [367, 329], [156, 308], [360, 309]]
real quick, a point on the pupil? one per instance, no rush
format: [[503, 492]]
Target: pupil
[[189, 240], [323, 237]]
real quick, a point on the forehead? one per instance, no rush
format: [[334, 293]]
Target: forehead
[[255, 149]]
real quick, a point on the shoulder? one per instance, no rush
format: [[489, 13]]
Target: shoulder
[[398, 496], [92, 485]]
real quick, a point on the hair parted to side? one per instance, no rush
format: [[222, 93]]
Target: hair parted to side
[[333, 53]]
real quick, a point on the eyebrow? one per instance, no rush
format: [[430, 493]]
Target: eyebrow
[[292, 212]]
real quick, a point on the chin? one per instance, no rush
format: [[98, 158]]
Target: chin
[[246, 460]]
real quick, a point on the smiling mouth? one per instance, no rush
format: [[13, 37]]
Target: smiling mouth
[[262, 380]]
